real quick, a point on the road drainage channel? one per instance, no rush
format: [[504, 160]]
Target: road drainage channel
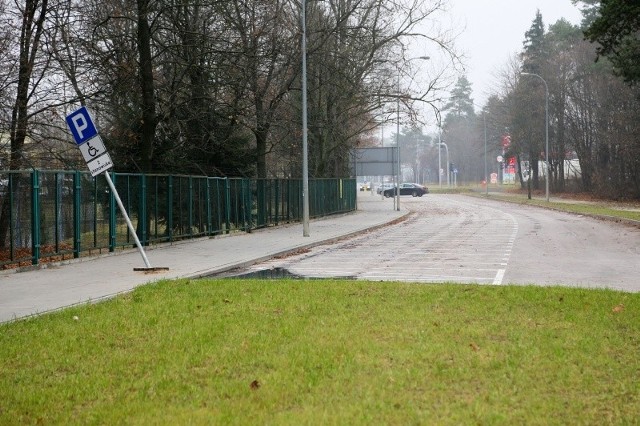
[[269, 274]]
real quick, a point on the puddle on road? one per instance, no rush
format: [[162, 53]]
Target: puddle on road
[[270, 274]]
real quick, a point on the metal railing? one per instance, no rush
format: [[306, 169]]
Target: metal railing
[[58, 215]]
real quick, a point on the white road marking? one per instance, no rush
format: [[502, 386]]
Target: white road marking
[[472, 247]]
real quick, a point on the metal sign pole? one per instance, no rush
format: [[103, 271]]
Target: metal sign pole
[[126, 217], [86, 136]]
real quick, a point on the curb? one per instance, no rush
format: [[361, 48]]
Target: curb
[[291, 251]]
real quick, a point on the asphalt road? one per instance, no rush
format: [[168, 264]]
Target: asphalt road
[[469, 240]]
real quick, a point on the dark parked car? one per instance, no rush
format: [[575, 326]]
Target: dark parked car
[[407, 189], [384, 186]]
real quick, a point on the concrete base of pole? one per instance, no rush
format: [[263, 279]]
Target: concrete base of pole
[[152, 269]]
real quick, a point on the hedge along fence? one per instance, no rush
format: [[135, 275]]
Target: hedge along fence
[[57, 215]]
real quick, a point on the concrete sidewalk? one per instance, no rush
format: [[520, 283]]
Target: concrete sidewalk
[[91, 279]]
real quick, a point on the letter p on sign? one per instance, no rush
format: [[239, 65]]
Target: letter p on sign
[[81, 125]]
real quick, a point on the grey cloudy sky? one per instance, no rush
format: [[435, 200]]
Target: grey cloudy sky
[[493, 30]]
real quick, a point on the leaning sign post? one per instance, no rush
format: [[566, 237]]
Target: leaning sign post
[[98, 161]]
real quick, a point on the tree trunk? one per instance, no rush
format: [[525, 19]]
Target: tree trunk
[[149, 116], [31, 32]]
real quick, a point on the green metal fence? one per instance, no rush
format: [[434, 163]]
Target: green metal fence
[[57, 215]]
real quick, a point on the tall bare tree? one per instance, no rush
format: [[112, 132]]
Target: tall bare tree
[[31, 65], [358, 49]]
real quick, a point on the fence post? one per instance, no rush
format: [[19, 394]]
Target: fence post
[[11, 224], [208, 201], [170, 209], [35, 217], [260, 202], [243, 203], [247, 205], [155, 207], [277, 182], [190, 206], [95, 212], [142, 215], [77, 234], [289, 200], [112, 216], [227, 196], [57, 207], [128, 207]]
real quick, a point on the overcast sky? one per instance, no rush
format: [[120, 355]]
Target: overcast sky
[[493, 30]]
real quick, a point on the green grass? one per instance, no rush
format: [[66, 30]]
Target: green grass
[[610, 209], [589, 209], [435, 189], [327, 352]]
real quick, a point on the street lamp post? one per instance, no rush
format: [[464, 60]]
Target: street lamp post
[[399, 171], [440, 145], [486, 176], [448, 162], [546, 113], [439, 161], [305, 158]]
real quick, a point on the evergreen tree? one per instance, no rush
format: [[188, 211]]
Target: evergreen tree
[[460, 103], [535, 49], [528, 114], [617, 30], [460, 133], [589, 11]]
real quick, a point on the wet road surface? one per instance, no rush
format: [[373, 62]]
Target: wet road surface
[[469, 240]]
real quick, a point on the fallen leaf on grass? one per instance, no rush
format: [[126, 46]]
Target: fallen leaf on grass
[[618, 308], [475, 347]]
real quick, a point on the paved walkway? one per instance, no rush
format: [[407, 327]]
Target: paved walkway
[[90, 279]]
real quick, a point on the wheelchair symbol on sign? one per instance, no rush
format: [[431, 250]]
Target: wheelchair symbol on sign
[[92, 151]]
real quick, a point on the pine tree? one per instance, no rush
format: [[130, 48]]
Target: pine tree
[[459, 132], [460, 103], [535, 49], [617, 30]]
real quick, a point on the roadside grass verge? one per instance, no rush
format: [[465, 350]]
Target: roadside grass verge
[[435, 189], [590, 209], [598, 209], [327, 352]]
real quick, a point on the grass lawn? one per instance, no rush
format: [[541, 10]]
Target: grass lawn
[[327, 352], [596, 208], [593, 209]]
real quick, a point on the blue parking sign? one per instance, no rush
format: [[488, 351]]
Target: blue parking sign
[[81, 125]]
